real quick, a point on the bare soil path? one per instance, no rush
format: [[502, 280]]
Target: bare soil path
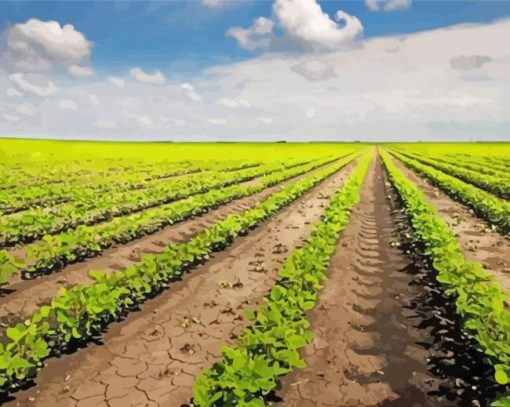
[[366, 349], [478, 241], [25, 296], [152, 357]]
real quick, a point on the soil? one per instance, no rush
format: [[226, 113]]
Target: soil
[[478, 241], [152, 357], [364, 352], [23, 297], [385, 333]]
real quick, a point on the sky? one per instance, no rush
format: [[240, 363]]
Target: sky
[[216, 70]]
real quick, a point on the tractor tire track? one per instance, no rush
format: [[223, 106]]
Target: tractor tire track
[[367, 349]]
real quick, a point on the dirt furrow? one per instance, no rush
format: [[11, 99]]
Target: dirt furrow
[[22, 297], [478, 241], [367, 349], [152, 357]]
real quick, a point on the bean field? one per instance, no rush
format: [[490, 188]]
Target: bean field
[[282, 274]]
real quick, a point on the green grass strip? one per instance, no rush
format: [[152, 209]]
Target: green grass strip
[[269, 348], [479, 300]]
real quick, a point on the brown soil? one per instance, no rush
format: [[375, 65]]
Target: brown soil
[[23, 297], [478, 241], [366, 350], [152, 357]]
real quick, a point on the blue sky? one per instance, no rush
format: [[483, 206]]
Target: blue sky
[[256, 70], [185, 36]]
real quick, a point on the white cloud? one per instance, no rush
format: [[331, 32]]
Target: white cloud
[[34, 84], [311, 113], [106, 123], [67, 104], [388, 5], [233, 103], [116, 81], [217, 121], [174, 122], [194, 96], [400, 88], [256, 36], [145, 121], [93, 99], [469, 62], [11, 92], [11, 118], [305, 22], [39, 45], [156, 78], [213, 3], [81, 71], [314, 70], [191, 92], [265, 120], [26, 110]]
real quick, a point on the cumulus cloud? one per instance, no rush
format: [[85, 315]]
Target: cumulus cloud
[[67, 104], [26, 109], [191, 92], [11, 92], [337, 95], [233, 103], [81, 71], [106, 123], [34, 84], [155, 78], [11, 118], [217, 121], [145, 121], [173, 121], [116, 81], [314, 70], [41, 45], [388, 5], [468, 62], [255, 36], [265, 120], [311, 113], [213, 3], [93, 99], [305, 22]]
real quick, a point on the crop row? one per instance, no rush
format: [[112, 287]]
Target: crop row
[[76, 189], [269, 348], [55, 251], [478, 164], [496, 184], [479, 300], [83, 310], [35, 223], [494, 210], [31, 174], [85, 189]]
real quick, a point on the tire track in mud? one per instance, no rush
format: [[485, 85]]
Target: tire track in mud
[[367, 350], [152, 357], [478, 241], [23, 297]]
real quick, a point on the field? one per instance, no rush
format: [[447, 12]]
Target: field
[[162, 274]]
